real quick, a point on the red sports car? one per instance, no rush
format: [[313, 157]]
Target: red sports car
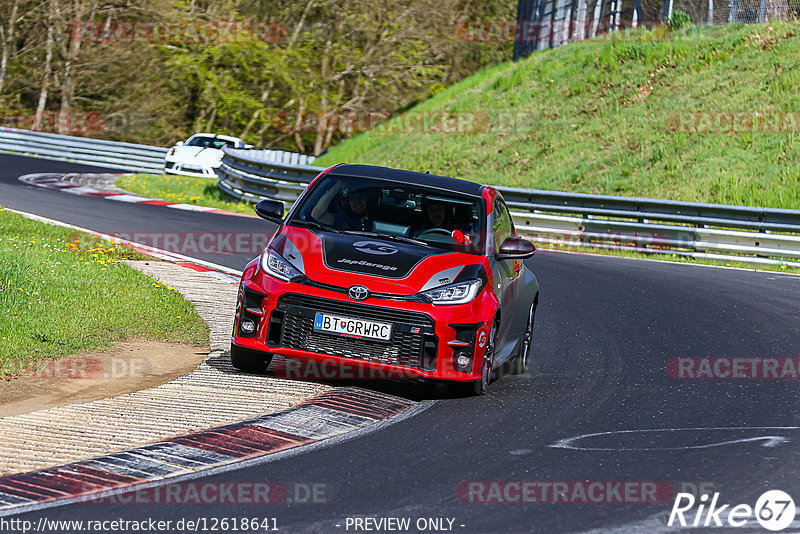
[[399, 272]]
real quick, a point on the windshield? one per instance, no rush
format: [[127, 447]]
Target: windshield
[[210, 142], [401, 212]]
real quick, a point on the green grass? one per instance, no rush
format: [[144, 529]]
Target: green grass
[[182, 189], [62, 291], [600, 117]]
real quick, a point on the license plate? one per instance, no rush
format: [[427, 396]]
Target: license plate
[[352, 327]]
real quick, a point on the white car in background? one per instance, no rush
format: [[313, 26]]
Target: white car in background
[[201, 154]]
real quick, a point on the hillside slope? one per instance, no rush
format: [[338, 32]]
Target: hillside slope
[[647, 114]]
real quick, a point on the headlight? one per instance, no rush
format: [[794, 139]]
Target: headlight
[[171, 152], [460, 293], [275, 264]]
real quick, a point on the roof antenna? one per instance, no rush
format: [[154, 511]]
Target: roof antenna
[[427, 172]]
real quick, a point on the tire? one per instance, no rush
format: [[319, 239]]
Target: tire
[[479, 387], [250, 361], [520, 363]]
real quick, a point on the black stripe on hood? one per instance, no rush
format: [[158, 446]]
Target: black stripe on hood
[[373, 255]]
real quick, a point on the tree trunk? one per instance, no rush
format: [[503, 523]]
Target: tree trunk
[[332, 125], [580, 21], [250, 123], [48, 59], [324, 117], [68, 85], [299, 27], [210, 125], [637, 14], [298, 139], [8, 42], [598, 7]]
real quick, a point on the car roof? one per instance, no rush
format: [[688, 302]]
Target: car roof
[[409, 177]]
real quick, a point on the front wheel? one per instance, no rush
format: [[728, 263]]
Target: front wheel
[[479, 387], [250, 361], [520, 362]]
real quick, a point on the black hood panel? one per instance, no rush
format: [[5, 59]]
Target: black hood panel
[[372, 255]]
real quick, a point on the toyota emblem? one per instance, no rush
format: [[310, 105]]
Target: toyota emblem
[[358, 292]]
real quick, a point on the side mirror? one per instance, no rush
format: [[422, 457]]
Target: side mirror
[[179, 143], [515, 248], [271, 210]]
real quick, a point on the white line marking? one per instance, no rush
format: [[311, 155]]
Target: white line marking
[[769, 441], [130, 198], [190, 207]]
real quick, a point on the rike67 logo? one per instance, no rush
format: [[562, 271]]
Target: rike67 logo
[[774, 510]]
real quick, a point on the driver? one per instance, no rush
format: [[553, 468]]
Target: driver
[[440, 219], [435, 212]]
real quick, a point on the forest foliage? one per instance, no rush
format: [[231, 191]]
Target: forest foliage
[[156, 71]]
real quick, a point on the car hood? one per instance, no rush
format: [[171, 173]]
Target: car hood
[[197, 153], [382, 265]]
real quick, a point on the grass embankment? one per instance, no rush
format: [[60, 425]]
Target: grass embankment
[[182, 189], [63, 291], [641, 115]]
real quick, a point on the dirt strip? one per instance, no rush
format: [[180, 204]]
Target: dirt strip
[[212, 395]]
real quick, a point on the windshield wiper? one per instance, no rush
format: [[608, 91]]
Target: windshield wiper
[[391, 237], [314, 224]]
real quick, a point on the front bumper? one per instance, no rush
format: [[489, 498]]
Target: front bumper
[[189, 169], [425, 342]]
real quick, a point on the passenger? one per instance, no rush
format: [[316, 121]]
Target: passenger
[[355, 211], [359, 207]]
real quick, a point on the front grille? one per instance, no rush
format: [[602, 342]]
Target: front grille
[[413, 343], [352, 309]]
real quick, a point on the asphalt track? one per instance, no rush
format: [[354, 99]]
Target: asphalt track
[[605, 330]]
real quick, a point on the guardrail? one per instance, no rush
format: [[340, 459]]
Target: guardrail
[[281, 156], [112, 154], [574, 219]]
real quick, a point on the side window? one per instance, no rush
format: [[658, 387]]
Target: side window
[[503, 228]]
